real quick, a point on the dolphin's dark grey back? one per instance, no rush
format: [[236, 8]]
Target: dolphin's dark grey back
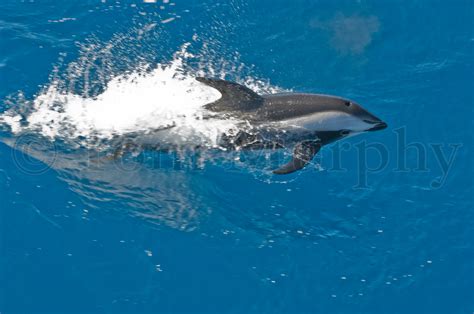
[[279, 107], [237, 98]]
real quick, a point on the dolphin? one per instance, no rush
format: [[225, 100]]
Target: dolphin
[[305, 121]]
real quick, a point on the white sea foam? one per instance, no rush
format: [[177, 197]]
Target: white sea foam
[[132, 103], [143, 101]]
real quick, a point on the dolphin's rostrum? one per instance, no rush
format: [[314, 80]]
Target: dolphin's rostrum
[[306, 121]]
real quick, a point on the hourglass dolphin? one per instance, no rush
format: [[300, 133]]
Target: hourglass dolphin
[[304, 121]]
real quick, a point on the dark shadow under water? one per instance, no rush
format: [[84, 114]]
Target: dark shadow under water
[[186, 192]]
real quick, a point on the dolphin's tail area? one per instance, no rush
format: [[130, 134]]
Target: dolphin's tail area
[[235, 97]]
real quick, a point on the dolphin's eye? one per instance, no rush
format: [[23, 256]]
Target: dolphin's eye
[[347, 103], [345, 132]]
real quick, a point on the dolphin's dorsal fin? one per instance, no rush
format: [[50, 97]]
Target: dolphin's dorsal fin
[[302, 155], [235, 97]]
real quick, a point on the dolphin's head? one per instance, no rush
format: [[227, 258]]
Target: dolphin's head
[[320, 113], [317, 112], [359, 119], [330, 113]]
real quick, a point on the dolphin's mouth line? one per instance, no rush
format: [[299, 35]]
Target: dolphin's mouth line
[[371, 122], [378, 126]]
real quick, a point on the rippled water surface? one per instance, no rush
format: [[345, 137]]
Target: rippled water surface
[[378, 223]]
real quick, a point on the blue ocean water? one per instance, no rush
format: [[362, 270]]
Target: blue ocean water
[[380, 223]]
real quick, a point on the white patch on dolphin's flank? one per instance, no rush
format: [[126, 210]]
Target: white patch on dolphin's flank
[[328, 121]]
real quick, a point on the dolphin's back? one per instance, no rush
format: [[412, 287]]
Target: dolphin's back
[[283, 106], [238, 99]]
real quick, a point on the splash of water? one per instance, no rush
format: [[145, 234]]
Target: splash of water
[[113, 93], [145, 100], [132, 84]]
